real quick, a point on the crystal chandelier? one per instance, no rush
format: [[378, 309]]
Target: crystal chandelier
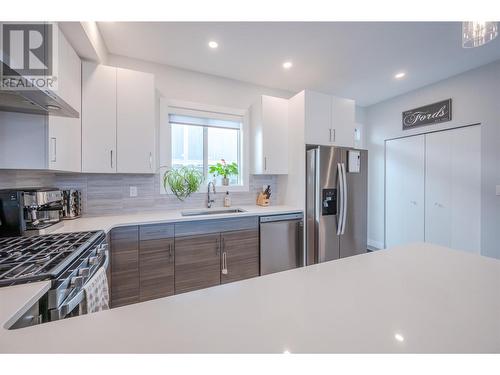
[[475, 33]]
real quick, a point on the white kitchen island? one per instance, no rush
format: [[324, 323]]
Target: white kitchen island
[[415, 298]]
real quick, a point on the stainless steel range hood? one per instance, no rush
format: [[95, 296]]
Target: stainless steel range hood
[[35, 101]]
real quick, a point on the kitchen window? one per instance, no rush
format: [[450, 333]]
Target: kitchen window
[[202, 138]]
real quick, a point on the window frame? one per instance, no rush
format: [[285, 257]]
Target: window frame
[[168, 107]]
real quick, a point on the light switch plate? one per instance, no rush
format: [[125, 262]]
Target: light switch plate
[[133, 191], [498, 190]]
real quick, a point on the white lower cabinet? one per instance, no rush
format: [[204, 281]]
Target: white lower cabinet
[[118, 127], [433, 189]]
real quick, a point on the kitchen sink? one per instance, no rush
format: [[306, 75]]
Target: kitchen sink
[[212, 211]]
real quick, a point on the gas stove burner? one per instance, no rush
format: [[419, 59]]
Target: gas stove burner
[[34, 258]]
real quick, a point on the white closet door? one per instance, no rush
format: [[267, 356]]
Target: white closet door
[[453, 188], [405, 165]]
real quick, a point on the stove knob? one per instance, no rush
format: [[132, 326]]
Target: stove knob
[[76, 282], [101, 248], [83, 272]]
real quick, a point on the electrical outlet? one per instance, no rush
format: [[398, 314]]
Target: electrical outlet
[[133, 191], [498, 190]]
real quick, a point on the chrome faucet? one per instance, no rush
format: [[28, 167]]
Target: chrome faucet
[[210, 200]]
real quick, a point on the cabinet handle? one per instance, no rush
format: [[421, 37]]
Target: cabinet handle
[[170, 251], [111, 158], [217, 246], [265, 163], [150, 160], [330, 136], [224, 263], [53, 140]]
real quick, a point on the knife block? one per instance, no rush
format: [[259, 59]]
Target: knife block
[[262, 200]]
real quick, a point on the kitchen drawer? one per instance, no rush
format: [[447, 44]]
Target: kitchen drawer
[[156, 231], [215, 226]]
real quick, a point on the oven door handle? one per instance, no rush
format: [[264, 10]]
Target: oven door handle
[[67, 307]]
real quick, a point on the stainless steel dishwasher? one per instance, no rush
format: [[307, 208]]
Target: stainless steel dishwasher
[[281, 243]]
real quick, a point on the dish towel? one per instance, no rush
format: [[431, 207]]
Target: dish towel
[[96, 292]]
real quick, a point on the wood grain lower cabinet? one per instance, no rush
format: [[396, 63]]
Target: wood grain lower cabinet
[[156, 261], [197, 262], [149, 262], [124, 266], [240, 255]]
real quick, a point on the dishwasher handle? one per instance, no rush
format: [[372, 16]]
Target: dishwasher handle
[[286, 217]]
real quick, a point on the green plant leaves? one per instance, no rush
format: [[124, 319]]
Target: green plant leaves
[[223, 169], [183, 181]]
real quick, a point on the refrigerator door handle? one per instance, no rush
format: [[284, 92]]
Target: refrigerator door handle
[[344, 198], [340, 198]]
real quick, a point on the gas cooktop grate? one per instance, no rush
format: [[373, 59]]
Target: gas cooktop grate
[[40, 257]]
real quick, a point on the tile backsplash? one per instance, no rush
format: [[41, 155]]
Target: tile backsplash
[[109, 194]]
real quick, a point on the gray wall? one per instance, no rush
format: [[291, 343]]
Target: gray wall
[[476, 99], [109, 194]]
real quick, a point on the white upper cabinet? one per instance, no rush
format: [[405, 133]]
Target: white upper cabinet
[[328, 120], [64, 143], [118, 127], [269, 134], [343, 122], [34, 141], [135, 105], [318, 118], [98, 118]]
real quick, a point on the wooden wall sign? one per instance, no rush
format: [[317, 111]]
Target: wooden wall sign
[[427, 115]]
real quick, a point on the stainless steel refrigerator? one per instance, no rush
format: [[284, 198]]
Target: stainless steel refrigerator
[[336, 203]]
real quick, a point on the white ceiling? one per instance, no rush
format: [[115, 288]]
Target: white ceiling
[[355, 60]]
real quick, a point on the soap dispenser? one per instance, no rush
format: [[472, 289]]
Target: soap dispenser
[[227, 200]]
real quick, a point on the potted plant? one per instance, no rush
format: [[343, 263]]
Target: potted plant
[[224, 170], [183, 181]]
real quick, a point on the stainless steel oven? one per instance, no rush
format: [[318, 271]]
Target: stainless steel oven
[[66, 295]]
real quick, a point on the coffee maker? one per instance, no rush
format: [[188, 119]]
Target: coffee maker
[[29, 211]]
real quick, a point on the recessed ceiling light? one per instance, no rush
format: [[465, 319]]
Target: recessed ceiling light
[[399, 337], [399, 75], [213, 44], [287, 64]]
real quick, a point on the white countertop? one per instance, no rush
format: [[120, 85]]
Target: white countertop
[[437, 299], [108, 222]]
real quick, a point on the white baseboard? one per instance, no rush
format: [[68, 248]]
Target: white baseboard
[[375, 245]]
